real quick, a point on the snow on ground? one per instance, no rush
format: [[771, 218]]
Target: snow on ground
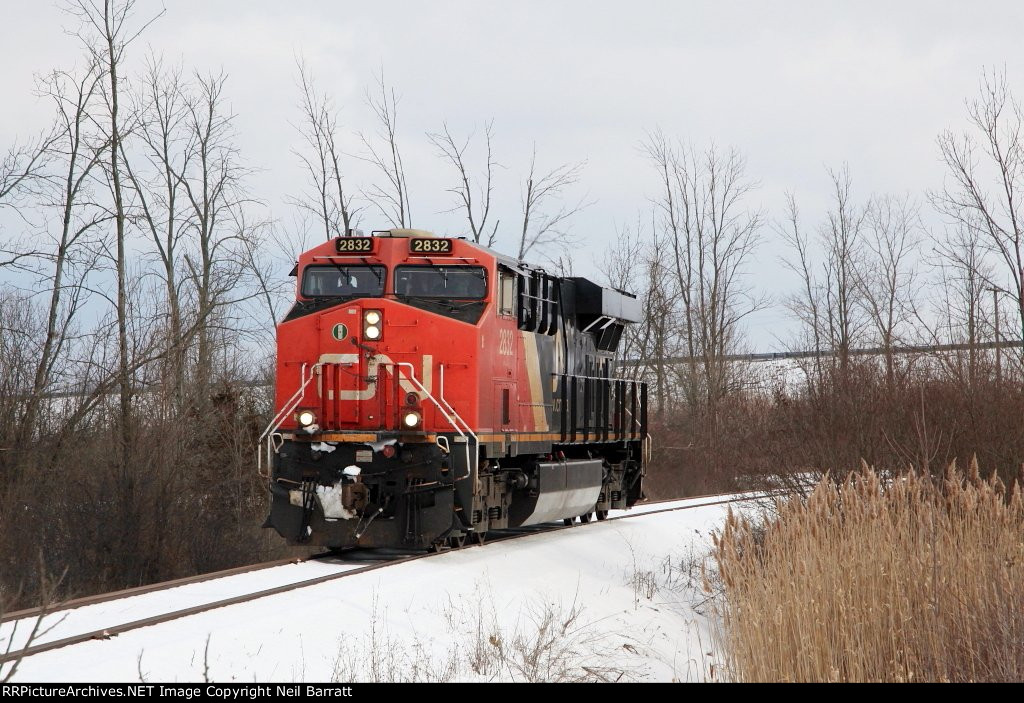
[[88, 618], [619, 599]]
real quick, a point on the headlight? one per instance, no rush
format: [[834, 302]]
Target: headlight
[[372, 324], [411, 419], [307, 418]]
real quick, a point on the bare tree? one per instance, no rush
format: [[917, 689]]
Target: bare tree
[[638, 265], [887, 279], [711, 236], [328, 202], [842, 241], [263, 268], [106, 32], [848, 291], [964, 275], [623, 269], [665, 159], [154, 157], [805, 305], [542, 227], [160, 116], [212, 185], [391, 199], [464, 191], [78, 150], [21, 326], [985, 185]]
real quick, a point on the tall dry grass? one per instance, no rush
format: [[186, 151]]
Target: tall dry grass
[[918, 580]]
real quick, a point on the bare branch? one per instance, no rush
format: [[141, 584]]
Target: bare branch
[[392, 198], [464, 191], [982, 196], [542, 226], [328, 201]]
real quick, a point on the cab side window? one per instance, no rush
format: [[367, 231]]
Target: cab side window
[[506, 294]]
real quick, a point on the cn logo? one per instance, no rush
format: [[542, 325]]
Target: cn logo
[[370, 379]]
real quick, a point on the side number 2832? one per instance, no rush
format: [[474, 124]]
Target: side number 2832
[[507, 343]]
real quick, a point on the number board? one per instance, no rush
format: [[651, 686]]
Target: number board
[[430, 246], [354, 245]]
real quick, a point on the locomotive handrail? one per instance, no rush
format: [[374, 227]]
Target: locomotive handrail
[[449, 412], [449, 405], [275, 424], [475, 469], [631, 426], [472, 468], [476, 463]]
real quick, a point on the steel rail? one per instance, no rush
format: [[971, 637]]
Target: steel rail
[[74, 603]]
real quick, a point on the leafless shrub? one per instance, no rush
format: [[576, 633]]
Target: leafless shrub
[[550, 642], [380, 657], [643, 582]]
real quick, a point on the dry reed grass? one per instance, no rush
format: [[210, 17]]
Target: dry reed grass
[[918, 580]]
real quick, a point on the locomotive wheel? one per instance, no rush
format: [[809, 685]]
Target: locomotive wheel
[[568, 521], [457, 542], [438, 547], [602, 514], [585, 518], [479, 537]]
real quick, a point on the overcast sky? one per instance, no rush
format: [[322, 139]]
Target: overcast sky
[[795, 86]]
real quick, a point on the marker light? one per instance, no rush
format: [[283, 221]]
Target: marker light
[[307, 418], [411, 419]]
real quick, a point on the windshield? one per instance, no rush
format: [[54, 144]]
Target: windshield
[[454, 282], [343, 282]]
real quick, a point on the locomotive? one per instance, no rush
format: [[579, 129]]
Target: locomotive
[[429, 390]]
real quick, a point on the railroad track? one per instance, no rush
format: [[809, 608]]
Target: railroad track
[[336, 566]]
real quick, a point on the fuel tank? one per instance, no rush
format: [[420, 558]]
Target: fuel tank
[[558, 490]]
